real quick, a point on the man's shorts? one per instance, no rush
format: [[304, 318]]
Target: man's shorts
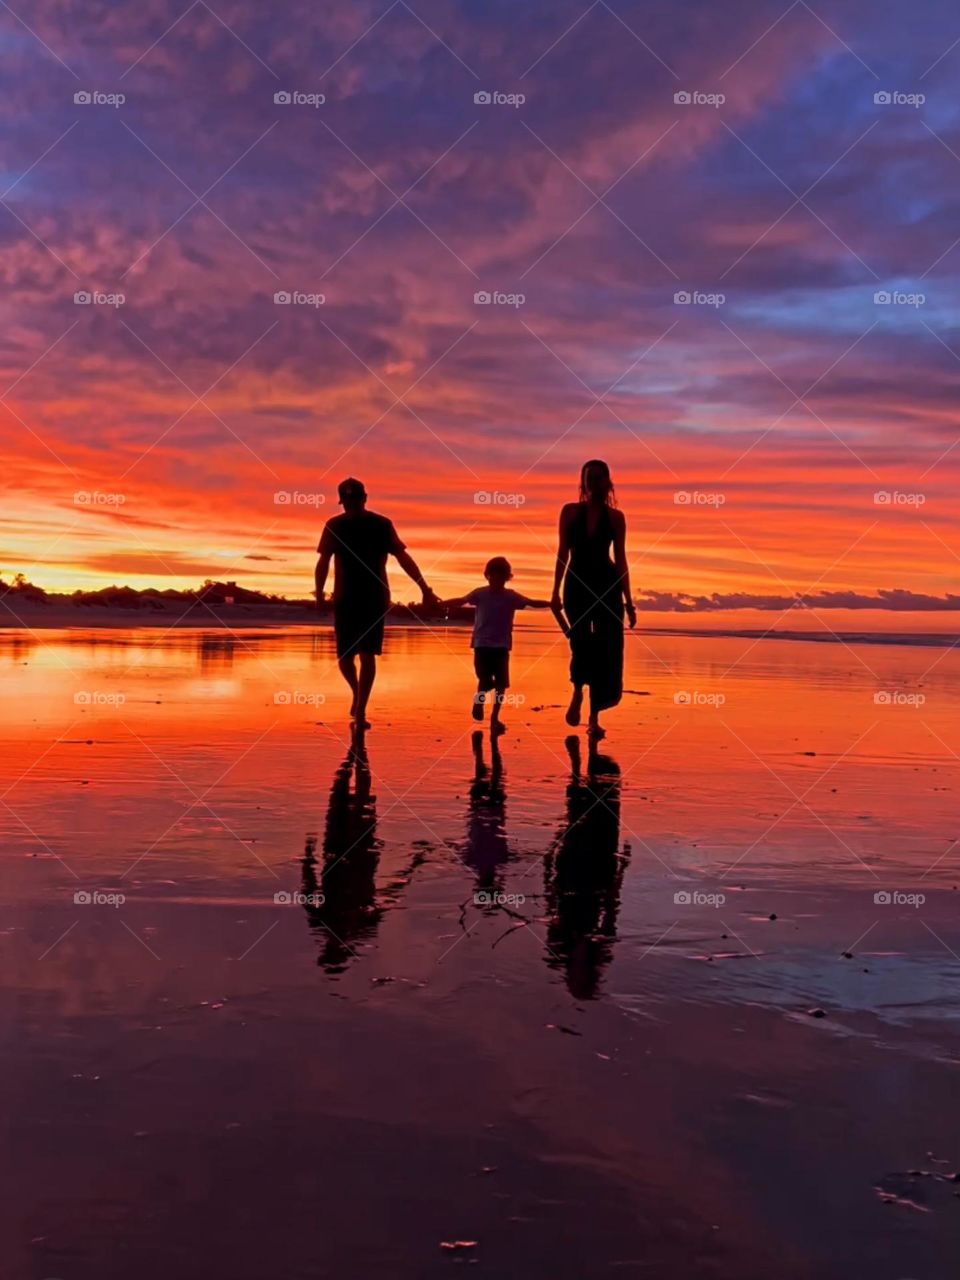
[[358, 626], [492, 667]]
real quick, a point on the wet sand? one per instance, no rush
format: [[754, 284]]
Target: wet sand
[[362, 1001]]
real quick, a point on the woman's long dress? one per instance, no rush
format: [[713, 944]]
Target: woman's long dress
[[593, 603]]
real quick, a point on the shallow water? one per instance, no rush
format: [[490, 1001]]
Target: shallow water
[[359, 1001]]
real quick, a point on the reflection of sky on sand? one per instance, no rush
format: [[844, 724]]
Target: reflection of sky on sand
[[191, 767], [477, 962]]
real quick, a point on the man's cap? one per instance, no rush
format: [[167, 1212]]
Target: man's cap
[[351, 488]]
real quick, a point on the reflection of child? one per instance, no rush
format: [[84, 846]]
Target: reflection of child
[[493, 635]]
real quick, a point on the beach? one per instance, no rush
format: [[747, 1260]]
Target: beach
[[276, 1002]]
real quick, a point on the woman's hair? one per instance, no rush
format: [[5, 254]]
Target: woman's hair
[[611, 498]]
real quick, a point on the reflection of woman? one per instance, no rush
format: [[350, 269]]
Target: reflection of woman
[[596, 590], [583, 874], [341, 898]]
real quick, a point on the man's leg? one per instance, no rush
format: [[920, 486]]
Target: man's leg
[[368, 673], [349, 673]]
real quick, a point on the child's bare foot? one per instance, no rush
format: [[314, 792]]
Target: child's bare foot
[[573, 711], [477, 711]]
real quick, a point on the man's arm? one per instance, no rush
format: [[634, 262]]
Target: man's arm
[[409, 566], [320, 575]]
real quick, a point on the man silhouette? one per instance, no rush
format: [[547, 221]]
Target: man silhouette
[[358, 542]]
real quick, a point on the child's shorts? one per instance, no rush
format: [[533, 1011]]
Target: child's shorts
[[492, 667]]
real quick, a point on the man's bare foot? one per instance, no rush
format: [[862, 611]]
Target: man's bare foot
[[353, 706], [595, 732], [497, 727], [477, 711], [573, 711]]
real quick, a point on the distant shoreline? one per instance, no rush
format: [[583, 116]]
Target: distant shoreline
[[39, 617]]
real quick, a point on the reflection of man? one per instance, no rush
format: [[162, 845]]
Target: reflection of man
[[359, 542]]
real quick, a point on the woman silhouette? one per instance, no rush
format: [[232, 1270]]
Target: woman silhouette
[[596, 591]]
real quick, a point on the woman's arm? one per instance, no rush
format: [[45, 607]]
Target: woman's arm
[[563, 555], [623, 569]]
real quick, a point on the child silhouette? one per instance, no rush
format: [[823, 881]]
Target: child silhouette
[[492, 640]]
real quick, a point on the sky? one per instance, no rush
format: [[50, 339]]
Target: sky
[[721, 245]]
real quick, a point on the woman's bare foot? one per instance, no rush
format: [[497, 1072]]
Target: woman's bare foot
[[573, 711]]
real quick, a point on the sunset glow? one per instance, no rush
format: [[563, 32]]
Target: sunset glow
[[749, 437]]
